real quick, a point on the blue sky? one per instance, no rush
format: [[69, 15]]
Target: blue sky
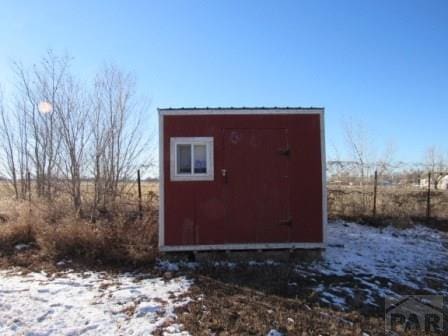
[[381, 63]]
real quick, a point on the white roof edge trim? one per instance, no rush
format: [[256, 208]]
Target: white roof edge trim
[[234, 111]]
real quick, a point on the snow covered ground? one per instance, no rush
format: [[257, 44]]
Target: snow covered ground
[[89, 304], [363, 264]]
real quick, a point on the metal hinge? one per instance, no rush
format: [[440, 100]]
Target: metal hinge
[[285, 151]]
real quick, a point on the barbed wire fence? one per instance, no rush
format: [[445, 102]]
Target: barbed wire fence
[[415, 191], [136, 193], [399, 190]]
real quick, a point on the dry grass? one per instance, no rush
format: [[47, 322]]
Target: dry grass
[[13, 235], [5, 190], [55, 232], [398, 205], [226, 309], [130, 190]]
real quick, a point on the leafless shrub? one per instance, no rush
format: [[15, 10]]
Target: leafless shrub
[[12, 235], [107, 242], [18, 229]]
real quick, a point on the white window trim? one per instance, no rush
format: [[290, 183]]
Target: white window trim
[[208, 142]]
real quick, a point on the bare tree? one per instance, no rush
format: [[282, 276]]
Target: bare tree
[[384, 163], [357, 140], [42, 85], [435, 163], [71, 110], [7, 138], [63, 132], [118, 142]]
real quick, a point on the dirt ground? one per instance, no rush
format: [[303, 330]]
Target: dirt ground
[[225, 309]]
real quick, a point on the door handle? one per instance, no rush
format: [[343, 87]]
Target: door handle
[[224, 174]]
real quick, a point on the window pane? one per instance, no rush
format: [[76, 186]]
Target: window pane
[[183, 159], [200, 159]]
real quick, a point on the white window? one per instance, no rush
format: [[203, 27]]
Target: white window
[[191, 159]]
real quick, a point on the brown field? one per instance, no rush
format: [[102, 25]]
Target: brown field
[[130, 189], [391, 201], [5, 190]]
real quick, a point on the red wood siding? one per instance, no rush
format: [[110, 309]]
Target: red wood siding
[[263, 189]]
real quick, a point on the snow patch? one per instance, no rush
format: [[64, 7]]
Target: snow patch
[[379, 259], [20, 247], [174, 266], [88, 304]]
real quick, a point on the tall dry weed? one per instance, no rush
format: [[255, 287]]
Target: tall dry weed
[[117, 237]]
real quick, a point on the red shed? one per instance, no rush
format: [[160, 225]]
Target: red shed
[[242, 178]]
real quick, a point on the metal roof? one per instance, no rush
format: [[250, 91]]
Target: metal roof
[[242, 108]]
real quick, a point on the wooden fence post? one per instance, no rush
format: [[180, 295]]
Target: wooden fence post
[[140, 208], [428, 198], [375, 189], [28, 180]]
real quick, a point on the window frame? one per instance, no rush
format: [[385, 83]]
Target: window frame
[[192, 141]]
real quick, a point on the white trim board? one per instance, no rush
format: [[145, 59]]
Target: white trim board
[[324, 178], [241, 111], [255, 246], [161, 185]]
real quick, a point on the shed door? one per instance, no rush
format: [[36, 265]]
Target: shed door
[[256, 187]]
